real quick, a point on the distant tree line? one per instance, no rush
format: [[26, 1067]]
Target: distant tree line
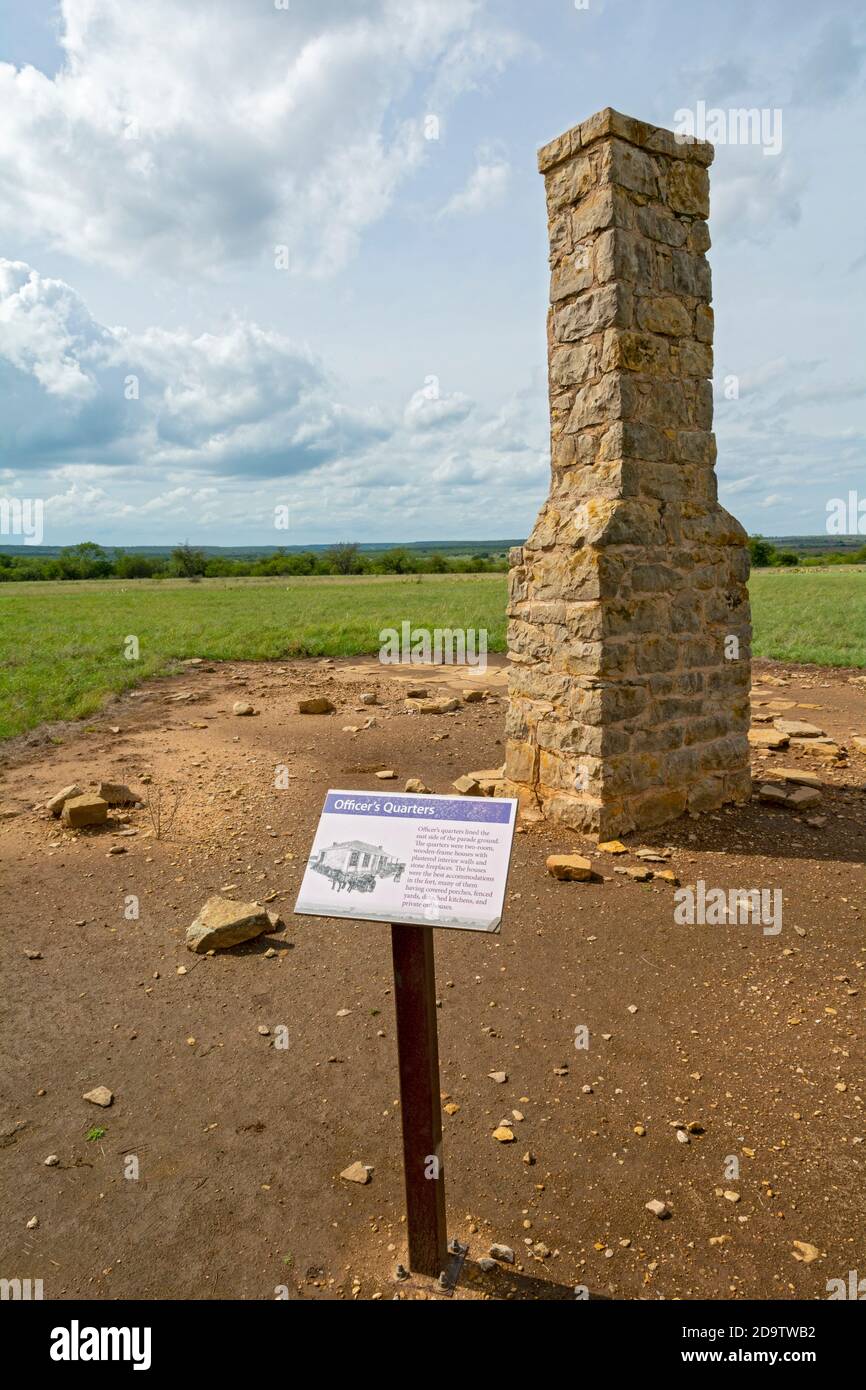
[[765, 555], [90, 561]]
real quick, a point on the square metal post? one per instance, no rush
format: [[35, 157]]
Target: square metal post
[[420, 1101]]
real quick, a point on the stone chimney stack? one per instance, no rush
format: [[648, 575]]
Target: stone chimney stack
[[629, 618]]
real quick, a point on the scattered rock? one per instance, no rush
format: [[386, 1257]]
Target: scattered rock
[[117, 794], [825, 748], [503, 1253], [466, 786], [659, 1209], [100, 1095], [317, 704], [613, 847], [798, 777], [86, 809], [767, 738], [572, 868], [773, 794], [795, 728], [805, 1252], [416, 693], [435, 706], [489, 780], [500, 1077], [368, 698], [503, 1134], [59, 799], [386, 775], [52, 1161], [414, 784], [638, 874], [472, 697], [222, 923], [356, 1172], [804, 797], [242, 707]]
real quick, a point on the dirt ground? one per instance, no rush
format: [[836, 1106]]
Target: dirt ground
[[754, 1039]]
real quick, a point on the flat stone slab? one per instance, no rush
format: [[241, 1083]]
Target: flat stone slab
[[767, 738], [800, 778], [797, 728], [570, 867], [222, 923], [434, 706], [804, 797], [84, 810]]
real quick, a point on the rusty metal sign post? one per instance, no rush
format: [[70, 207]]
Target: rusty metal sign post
[[417, 862], [420, 1101]]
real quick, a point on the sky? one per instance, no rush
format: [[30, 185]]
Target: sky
[[284, 258]]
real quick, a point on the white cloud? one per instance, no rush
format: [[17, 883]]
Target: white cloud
[[247, 399], [484, 189], [187, 136], [227, 425]]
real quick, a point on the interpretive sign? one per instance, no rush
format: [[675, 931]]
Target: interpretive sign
[[435, 861]]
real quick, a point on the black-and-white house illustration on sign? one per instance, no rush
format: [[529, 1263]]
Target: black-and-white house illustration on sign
[[356, 865]]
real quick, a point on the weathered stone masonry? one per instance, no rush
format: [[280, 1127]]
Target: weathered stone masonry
[[628, 704]]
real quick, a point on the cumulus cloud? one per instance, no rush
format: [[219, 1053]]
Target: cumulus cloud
[[140, 430], [244, 400], [186, 136]]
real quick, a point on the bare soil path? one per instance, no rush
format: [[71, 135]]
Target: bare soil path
[[757, 1040]]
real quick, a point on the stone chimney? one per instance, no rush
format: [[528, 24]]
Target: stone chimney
[[629, 625]]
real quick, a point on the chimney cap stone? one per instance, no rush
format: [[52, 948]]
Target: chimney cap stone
[[609, 123]]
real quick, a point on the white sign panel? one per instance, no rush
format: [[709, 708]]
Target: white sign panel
[[438, 861]]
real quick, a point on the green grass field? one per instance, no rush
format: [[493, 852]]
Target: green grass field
[[62, 644]]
